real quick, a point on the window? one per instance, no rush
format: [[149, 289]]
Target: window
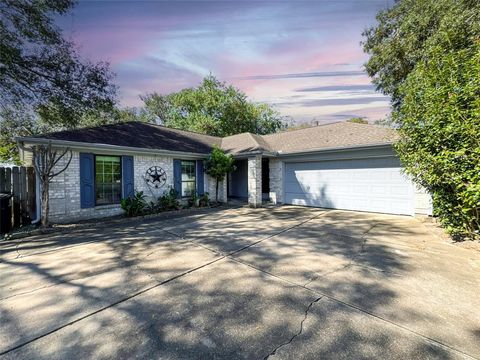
[[188, 178], [108, 180]]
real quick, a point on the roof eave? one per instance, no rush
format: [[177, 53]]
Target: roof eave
[[75, 145], [333, 149]]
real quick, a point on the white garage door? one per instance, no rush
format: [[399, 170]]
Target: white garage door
[[374, 184]]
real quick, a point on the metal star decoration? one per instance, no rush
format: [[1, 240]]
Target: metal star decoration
[[155, 177]]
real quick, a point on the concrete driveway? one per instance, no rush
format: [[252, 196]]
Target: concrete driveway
[[276, 283]]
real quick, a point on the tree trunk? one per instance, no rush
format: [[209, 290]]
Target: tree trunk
[[45, 205], [216, 190]]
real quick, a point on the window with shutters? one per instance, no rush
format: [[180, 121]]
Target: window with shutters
[[108, 180], [188, 178]]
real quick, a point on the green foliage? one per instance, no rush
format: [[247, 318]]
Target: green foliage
[[404, 32], [43, 80], [440, 134], [41, 70], [204, 200], [198, 201], [169, 201], [134, 205], [357, 120], [218, 165], [193, 200], [212, 108]]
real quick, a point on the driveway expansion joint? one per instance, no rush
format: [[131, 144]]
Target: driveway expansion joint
[[273, 352]]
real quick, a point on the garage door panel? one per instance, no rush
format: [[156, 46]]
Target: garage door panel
[[375, 184]]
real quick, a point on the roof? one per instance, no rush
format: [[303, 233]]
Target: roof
[[335, 135], [139, 135], [157, 137], [244, 143]]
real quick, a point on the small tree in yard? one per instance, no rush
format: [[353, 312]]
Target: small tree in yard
[[218, 165], [45, 159]]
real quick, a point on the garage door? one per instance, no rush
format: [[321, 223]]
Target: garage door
[[374, 184]]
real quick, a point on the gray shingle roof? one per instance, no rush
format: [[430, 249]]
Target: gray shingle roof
[[140, 135], [151, 136], [335, 135], [244, 143]]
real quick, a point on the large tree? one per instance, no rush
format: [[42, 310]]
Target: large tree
[[213, 108], [440, 135], [403, 33], [426, 55], [41, 74]]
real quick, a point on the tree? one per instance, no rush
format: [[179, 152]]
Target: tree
[[357, 120], [39, 68], [212, 108], [218, 165], [425, 54], [46, 161], [404, 32], [440, 135], [41, 74]]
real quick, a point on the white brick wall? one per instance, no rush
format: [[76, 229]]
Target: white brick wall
[[276, 180], [255, 181], [65, 189], [140, 166], [210, 187]]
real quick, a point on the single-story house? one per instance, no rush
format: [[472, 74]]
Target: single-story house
[[341, 165]]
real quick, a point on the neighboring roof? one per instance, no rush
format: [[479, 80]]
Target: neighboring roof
[[335, 135], [244, 143], [139, 135], [157, 137]]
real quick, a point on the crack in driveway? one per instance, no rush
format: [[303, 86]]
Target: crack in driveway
[[273, 352]]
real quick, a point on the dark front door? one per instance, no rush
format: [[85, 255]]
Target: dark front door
[[265, 176]]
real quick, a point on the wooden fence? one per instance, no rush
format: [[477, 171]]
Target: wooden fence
[[20, 182]]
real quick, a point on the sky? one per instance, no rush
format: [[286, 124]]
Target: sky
[[302, 57]]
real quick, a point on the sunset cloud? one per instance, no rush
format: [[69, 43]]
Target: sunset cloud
[[304, 58]]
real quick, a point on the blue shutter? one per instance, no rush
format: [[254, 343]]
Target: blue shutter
[[177, 177], [199, 177], [127, 177], [87, 180]]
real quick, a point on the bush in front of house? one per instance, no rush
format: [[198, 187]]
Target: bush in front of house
[[196, 200], [134, 205], [168, 201]]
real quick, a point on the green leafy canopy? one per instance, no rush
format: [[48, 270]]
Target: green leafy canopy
[[218, 165], [213, 108], [426, 55]]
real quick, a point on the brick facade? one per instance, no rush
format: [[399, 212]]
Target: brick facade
[[276, 168], [64, 189], [255, 181]]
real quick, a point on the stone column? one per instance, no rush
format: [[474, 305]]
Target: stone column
[[276, 181], [255, 181]]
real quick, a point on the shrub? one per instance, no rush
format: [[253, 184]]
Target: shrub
[[134, 205], [168, 201], [204, 200], [193, 200]]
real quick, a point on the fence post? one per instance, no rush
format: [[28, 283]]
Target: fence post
[[16, 195], [2, 180], [23, 195], [31, 193], [8, 180]]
